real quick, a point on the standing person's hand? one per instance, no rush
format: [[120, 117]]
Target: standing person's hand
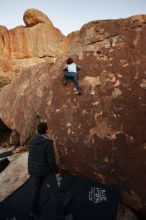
[[59, 179], [57, 175]]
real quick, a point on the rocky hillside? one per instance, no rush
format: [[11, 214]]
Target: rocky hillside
[[100, 134]]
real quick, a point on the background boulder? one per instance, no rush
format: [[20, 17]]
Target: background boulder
[[33, 16]]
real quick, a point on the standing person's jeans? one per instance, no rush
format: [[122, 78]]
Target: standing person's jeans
[[37, 185], [74, 77]]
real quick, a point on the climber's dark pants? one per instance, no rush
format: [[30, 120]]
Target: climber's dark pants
[[74, 77]]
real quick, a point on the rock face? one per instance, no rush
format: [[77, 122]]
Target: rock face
[[100, 134]]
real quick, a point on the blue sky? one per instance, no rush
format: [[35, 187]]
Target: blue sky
[[68, 15]]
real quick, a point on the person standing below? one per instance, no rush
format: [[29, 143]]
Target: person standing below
[[41, 163], [71, 73]]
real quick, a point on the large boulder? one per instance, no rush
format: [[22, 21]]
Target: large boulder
[[100, 134], [33, 16]]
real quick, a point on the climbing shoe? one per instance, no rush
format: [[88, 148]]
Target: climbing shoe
[[79, 93], [64, 82]]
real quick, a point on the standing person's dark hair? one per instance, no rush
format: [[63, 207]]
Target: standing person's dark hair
[[71, 73], [42, 128], [41, 163]]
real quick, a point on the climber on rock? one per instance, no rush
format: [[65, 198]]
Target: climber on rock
[[71, 73]]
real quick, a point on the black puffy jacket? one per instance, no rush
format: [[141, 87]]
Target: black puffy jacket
[[41, 159]]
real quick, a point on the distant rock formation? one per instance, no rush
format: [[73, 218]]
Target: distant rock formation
[[100, 134], [23, 46], [32, 17]]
